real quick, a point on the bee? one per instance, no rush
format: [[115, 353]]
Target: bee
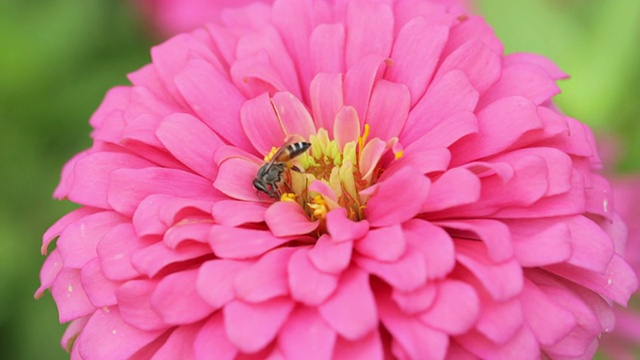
[[269, 175]]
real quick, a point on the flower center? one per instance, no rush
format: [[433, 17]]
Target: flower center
[[331, 175]]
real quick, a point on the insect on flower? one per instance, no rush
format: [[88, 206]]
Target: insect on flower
[[269, 175]]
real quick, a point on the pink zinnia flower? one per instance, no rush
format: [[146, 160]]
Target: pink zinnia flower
[[443, 209]]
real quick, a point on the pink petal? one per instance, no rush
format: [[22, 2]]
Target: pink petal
[[286, 218], [306, 336], [260, 123], [551, 69], [617, 282], [406, 274], [212, 339], [91, 180], [591, 247], [327, 48], [499, 321], [106, 336], [99, 289], [502, 280], [134, 304], [539, 242], [56, 229], [523, 346], [369, 29], [187, 231], [415, 54], [70, 296], [180, 344], [500, 125], [77, 242], [157, 213], [254, 75], [472, 28], [425, 161], [526, 80], [494, 234], [176, 299], [250, 327], [548, 321], [346, 127], [264, 279], [383, 244], [388, 206], [216, 280], [331, 256], [359, 80], [453, 128], [368, 347], [307, 284], [295, 118], [341, 228], [235, 178], [351, 310], [191, 142], [327, 101], [416, 301], [447, 95], [72, 331], [388, 109], [434, 243], [214, 99], [237, 243], [234, 213], [49, 271], [455, 310], [477, 60], [416, 340], [128, 187], [154, 258]]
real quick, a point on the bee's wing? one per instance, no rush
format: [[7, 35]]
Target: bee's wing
[[274, 158]]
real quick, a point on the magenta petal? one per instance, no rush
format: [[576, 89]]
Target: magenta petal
[[177, 301], [134, 304], [295, 118], [212, 339], [250, 327], [359, 81], [56, 229], [157, 213], [416, 301], [191, 142], [305, 335], [342, 228], [538, 243], [494, 234], [237, 243], [261, 124], [434, 243], [307, 284], [72, 331], [326, 45], [351, 310], [216, 279], [383, 244], [235, 177], [120, 341], [502, 280], [186, 231], [417, 340], [406, 274], [216, 101], [455, 310], [115, 250], [415, 54], [500, 321], [477, 60], [523, 346], [326, 100], [234, 213], [264, 279], [331, 256], [286, 218], [153, 258], [49, 271], [389, 206], [70, 297]]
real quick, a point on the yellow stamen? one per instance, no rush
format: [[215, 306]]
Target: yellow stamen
[[399, 154], [319, 207], [291, 197], [363, 138], [269, 156]]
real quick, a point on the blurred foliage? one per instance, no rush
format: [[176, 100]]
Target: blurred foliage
[[60, 56]]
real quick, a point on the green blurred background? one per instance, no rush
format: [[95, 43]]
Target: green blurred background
[[59, 57]]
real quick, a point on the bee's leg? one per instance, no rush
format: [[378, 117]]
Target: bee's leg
[[296, 169]]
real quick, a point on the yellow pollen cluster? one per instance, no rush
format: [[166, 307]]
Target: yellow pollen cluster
[[319, 207]]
